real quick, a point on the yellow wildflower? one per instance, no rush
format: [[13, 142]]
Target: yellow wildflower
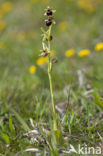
[[2, 25], [1, 45], [6, 7], [42, 60], [32, 34], [62, 25], [32, 69], [65, 143], [69, 52], [86, 5], [99, 46], [84, 53], [21, 36], [1, 14]]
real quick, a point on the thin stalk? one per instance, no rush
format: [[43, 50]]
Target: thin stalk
[[50, 82]]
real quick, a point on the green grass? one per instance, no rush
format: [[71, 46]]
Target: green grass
[[24, 96]]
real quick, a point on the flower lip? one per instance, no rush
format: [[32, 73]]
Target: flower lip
[[44, 54], [48, 22], [50, 38], [49, 12]]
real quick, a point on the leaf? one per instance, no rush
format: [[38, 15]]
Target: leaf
[[11, 126], [58, 134], [44, 46], [21, 120], [5, 137], [42, 30], [98, 100], [32, 150]]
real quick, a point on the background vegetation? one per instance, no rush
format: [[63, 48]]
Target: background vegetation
[[77, 76]]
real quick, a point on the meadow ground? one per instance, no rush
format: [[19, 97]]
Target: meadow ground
[[25, 102]]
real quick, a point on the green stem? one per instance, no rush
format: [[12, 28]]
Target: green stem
[[50, 81]]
